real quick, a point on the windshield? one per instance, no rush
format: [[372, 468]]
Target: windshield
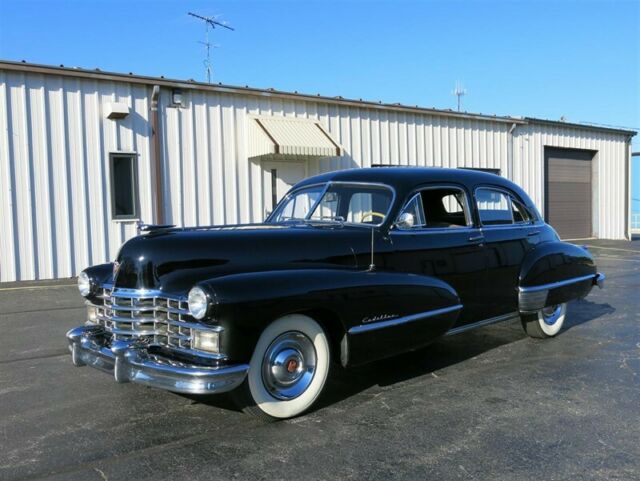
[[366, 204]]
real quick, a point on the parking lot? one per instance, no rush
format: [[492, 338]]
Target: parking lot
[[488, 404]]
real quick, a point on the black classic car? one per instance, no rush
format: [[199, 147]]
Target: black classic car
[[350, 267]]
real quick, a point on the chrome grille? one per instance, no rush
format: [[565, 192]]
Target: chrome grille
[[146, 315]]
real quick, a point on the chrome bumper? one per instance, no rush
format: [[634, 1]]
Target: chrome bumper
[[598, 280], [129, 361]]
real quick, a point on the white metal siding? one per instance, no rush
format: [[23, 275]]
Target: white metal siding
[[609, 174], [54, 171], [55, 143]]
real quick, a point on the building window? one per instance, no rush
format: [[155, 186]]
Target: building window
[[124, 186], [482, 169]]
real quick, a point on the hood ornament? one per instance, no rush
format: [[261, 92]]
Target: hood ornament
[[142, 227]]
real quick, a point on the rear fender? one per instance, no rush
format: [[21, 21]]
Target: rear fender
[[553, 273], [378, 314]]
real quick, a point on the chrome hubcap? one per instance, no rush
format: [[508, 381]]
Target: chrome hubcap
[[551, 314], [289, 365]]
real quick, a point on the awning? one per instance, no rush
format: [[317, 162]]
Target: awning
[[282, 136]]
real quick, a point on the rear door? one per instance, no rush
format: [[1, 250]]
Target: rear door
[[509, 234]]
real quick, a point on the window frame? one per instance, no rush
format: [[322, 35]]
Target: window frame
[[326, 186], [468, 213], [511, 196], [133, 156]]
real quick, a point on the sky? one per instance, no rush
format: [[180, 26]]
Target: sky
[[574, 59]]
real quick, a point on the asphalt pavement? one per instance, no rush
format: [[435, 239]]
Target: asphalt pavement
[[488, 404]]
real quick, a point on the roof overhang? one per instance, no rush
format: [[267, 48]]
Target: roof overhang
[[290, 137]]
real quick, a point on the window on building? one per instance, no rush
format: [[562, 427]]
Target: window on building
[[124, 186], [483, 169], [494, 207]]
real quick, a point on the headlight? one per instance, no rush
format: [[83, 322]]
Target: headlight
[[84, 284], [206, 341], [198, 303]]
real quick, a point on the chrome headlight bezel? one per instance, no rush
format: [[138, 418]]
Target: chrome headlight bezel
[[85, 285], [198, 302]]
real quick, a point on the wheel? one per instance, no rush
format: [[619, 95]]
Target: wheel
[[547, 322], [288, 369]]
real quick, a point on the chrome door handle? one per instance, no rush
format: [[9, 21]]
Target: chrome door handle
[[535, 232], [474, 238]]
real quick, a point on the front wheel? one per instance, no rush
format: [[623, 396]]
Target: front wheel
[[288, 369], [547, 322]]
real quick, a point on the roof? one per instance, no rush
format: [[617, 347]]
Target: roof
[[98, 74], [405, 179]]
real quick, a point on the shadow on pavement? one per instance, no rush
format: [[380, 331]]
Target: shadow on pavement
[[447, 351]]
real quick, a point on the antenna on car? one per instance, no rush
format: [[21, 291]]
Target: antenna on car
[[372, 266]]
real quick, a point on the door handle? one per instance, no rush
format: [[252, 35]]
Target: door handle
[[533, 232], [475, 238]]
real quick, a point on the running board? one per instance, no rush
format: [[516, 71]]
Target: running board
[[484, 322]]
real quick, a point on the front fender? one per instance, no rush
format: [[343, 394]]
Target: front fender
[[553, 273], [367, 308]]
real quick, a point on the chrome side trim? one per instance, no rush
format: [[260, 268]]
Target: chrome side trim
[[485, 322], [554, 285], [599, 280], [403, 320], [129, 361]]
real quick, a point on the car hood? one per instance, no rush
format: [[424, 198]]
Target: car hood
[[173, 260]]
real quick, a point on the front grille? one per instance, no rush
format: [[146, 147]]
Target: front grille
[[149, 316]]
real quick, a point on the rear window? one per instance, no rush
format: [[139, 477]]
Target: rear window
[[494, 207]]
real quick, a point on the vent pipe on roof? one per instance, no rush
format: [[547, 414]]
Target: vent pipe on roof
[[156, 160]]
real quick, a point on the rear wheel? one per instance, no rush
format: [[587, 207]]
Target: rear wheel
[[288, 369], [547, 322]]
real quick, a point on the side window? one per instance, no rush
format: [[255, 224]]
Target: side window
[[520, 213], [415, 210], [494, 207], [124, 186], [437, 208]]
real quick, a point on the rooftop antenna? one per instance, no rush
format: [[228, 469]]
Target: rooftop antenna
[[209, 22], [459, 92]]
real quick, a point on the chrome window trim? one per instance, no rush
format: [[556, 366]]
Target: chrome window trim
[[402, 210], [467, 210], [554, 285], [497, 189], [510, 195], [327, 185], [359, 329]]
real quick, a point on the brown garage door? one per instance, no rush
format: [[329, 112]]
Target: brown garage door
[[568, 190]]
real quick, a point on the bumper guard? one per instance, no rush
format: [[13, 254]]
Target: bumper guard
[[129, 361]]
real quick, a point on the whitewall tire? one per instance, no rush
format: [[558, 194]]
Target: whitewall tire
[[288, 369], [547, 322]]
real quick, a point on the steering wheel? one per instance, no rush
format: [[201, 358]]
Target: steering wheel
[[371, 214]]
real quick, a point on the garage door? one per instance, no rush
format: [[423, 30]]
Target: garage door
[[568, 190]]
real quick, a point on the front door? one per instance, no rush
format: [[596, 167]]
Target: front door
[[441, 241], [278, 177]]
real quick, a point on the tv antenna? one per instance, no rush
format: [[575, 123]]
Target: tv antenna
[[459, 92], [210, 22]]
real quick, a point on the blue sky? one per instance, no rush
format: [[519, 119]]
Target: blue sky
[[577, 59]]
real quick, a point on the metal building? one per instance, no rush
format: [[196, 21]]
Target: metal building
[[84, 154]]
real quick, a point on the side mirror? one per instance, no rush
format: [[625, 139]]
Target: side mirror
[[405, 221]]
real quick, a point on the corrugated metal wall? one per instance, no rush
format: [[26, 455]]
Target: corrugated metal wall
[[55, 143], [609, 170], [54, 190], [212, 181]]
